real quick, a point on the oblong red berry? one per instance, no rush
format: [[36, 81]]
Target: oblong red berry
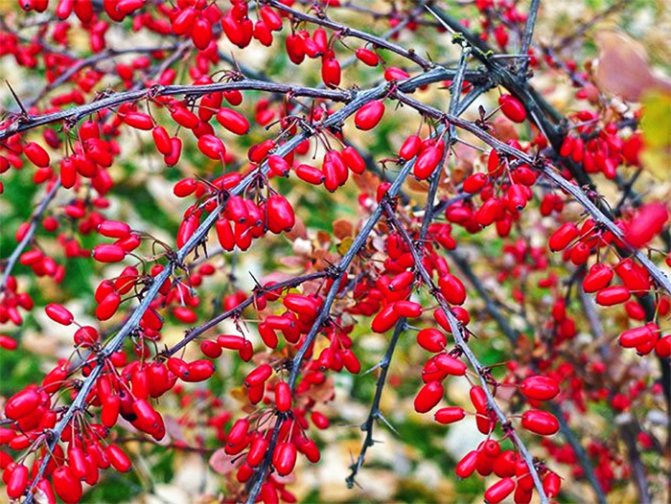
[[280, 214], [427, 162], [108, 253], [452, 288], [22, 403], [431, 339], [368, 116], [499, 490], [284, 458], [385, 319], [467, 464], [512, 108], [233, 121], [407, 309], [37, 155], [428, 396], [613, 295], [367, 56], [118, 458], [598, 277], [449, 414], [59, 313], [450, 365], [283, 396], [561, 238], [540, 388], [540, 422]]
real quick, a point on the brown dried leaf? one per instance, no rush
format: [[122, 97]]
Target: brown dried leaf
[[503, 129], [420, 186], [323, 238], [345, 244], [342, 228], [239, 393], [367, 182], [323, 259]]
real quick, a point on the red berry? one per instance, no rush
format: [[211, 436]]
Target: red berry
[[563, 236], [211, 146], [648, 223], [22, 403], [499, 490], [233, 121], [512, 108], [118, 458], [467, 464], [540, 422], [67, 486], [428, 396], [368, 116], [598, 277], [284, 458], [283, 396], [59, 314], [37, 155], [369, 57], [610, 296], [449, 415], [280, 214], [431, 339], [452, 289], [540, 388], [17, 480], [427, 161]]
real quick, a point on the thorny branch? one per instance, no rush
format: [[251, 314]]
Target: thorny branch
[[28, 236]]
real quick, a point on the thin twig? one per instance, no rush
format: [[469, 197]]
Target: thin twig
[[29, 234], [375, 413], [528, 34]]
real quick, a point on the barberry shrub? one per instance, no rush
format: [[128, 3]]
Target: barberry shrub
[[233, 232]]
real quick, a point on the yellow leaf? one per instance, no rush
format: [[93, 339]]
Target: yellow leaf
[[656, 126], [344, 245]]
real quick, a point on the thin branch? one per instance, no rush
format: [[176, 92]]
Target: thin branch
[[374, 413], [92, 61], [628, 431], [76, 113], [346, 31], [528, 34], [29, 234], [579, 451]]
